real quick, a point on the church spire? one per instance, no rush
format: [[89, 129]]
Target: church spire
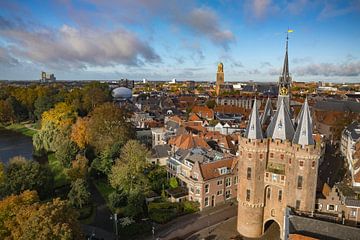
[[253, 130], [281, 126], [303, 133], [285, 72]]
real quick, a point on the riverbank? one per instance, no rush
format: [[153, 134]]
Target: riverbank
[[23, 128]]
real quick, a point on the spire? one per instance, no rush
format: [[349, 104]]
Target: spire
[[253, 130], [303, 133], [281, 126], [285, 72], [267, 112]]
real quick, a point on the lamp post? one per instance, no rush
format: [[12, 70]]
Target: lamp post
[[115, 218]]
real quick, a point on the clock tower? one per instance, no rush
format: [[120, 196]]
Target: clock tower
[[285, 81]]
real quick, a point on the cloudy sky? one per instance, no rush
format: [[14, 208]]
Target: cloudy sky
[[185, 39]]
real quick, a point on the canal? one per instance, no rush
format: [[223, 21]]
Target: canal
[[14, 144]]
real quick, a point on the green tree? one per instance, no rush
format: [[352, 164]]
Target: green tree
[[104, 162], [128, 173], [79, 168], [79, 194], [43, 104], [211, 103], [173, 182], [65, 152], [22, 174], [117, 199], [158, 178], [94, 94], [135, 204], [108, 125], [7, 114]]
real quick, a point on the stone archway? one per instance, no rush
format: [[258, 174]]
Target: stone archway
[[272, 230]]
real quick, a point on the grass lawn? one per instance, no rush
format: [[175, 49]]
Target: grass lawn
[[104, 188], [21, 128], [60, 177]]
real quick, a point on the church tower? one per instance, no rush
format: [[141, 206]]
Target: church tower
[[278, 167], [285, 81], [219, 78]]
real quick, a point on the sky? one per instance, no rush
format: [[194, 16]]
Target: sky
[[185, 39]]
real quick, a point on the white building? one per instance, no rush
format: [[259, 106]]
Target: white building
[[158, 136]]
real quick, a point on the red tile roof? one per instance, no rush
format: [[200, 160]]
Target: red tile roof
[[188, 141], [211, 170]]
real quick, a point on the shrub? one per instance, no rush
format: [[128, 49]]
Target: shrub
[[190, 207], [117, 199]]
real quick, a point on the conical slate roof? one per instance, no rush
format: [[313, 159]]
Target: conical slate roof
[[281, 126], [253, 130], [267, 112], [303, 133]]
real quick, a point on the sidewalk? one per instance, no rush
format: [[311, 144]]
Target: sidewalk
[[184, 226]]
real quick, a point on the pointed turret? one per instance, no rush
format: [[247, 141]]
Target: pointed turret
[[303, 133], [281, 126], [253, 130], [265, 117]]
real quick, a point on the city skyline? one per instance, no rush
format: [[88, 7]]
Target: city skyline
[[161, 40]]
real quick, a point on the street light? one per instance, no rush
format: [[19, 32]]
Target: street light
[[115, 218]]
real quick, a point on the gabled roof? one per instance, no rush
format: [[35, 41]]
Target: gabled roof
[[160, 151], [304, 134], [210, 170], [188, 141], [253, 130], [281, 126], [194, 118], [267, 112]]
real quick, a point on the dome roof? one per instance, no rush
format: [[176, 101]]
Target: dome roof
[[122, 92]]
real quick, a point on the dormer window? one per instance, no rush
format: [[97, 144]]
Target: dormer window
[[252, 127], [223, 170], [280, 125]]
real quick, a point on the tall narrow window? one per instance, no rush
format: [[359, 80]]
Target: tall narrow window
[[280, 195], [300, 182], [297, 207], [206, 188], [248, 173], [268, 193], [247, 194]]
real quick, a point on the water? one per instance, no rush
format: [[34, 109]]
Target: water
[[14, 144]]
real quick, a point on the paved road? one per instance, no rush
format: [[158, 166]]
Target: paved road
[[182, 227]]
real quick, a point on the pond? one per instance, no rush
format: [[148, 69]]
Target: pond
[[14, 144]]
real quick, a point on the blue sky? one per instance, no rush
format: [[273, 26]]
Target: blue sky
[[162, 39]]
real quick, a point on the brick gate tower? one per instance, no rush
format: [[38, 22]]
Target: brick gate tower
[[277, 167], [219, 78]]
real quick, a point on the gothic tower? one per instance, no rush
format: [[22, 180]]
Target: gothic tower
[[219, 78], [285, 80], [278, 167]]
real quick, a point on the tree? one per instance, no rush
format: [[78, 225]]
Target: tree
[[94, 94], [43, 221], [79, 194], [65, 152], [10, 205], [22, 174], [108, 124], [135, 204], [173, 182], [104, 162], [211, 103], [117, 199], [79, 169], [2, 174], [128, 173], [43, 104], [7, 114], [62, 116], [157, 178], [78, 132]]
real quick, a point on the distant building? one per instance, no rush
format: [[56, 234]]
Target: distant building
[[47, 77], [219, 78]]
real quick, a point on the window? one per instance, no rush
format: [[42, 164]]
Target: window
[[228, 194], [261, 156], [236, 179], [228, 182], [249, 155], [289, 160], [301, 163], [158, 137], [240, 153], [353, 213], [330, 207], [223, 170], [297, 206], [192, 189], [282, 156], [271, 155], [318, 206], [206, 201], [280, 195], [219, 182], [299, 182], [197, 191], [267, 174], [313, 164], [247, 194], [207, 188], [268, 193], [196, 176], [248, 173], [282, 177], [220, 192]]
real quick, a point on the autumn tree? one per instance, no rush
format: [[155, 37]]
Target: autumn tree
[[78, 132], [7, 114], [62, 116], [22, 174], [79, 168], [43, 221], [94, 94], [128, 173], [109, 124], [79, 194], [10, 205]]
